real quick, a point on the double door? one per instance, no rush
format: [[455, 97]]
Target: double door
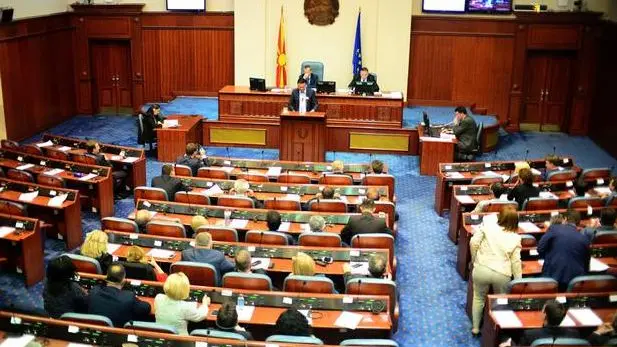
[[111, 65], [548, 90]]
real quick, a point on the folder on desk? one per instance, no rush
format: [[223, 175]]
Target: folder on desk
[[585, 316], [57, 201], [465, 199], [28, 196], [507, 319], [348, 320]]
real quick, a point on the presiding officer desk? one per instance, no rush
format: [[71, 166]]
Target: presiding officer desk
[[326, 308], [451, 174], [59, 209], [21, 245], [509, 315], [92, 181], [129, 159]]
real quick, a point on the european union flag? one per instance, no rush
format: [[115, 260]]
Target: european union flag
[[356, 61]]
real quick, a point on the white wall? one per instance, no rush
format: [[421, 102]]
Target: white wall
[[386, 26], [33, 8], [161, 5]]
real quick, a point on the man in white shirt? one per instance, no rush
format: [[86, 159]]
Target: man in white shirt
[[303, 99]]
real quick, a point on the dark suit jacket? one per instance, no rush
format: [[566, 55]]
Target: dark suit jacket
[[100, 160], [311, 102], [209, 256], [466, 132], [601, 340], [529, 336], [311, 82], [370, 78], [565, 252], [363, 224], [145, 130], [170, 184], [523, 192], [193, 163], [118, 305], [72, 299]]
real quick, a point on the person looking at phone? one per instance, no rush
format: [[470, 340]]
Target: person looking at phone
[[377, 265], [244, 263]]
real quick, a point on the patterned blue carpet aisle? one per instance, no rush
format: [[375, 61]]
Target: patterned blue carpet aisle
[[432, 295]]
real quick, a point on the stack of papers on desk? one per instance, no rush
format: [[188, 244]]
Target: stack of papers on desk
[[214, 190], [57, 201], [393, 95], [161, 253], [54, 172], [294, 197], [130, 160], [465, 199], [88, 177], [585, 316], [348, 320], [45, 144], [239, 223], [359, 268], [25, 167], [596, 265], [112, 247], [28, 196], [528, 227], [548, 195], [489, 173], [170, 123], [5, 231], [274, 171], [284, 227], [507, 319], [20, 341], [245, 313], [454, 174], [64, 148]]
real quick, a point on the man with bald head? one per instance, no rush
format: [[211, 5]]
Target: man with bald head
[[202, 252]]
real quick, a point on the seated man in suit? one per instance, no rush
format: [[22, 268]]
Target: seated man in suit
[[244, 263], [465, 130], [364, 79], [377, 167], [551, 163], [169, 184], [303, 99], [203, 253], [365, 223], [193, 158], [120, 306], [377, 265], [242, 188], [273, 219], [120, 189], [554, 313], [565, 251], [310, 78], [608, 216]]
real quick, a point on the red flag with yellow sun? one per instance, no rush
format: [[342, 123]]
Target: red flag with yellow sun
[[281, 56]]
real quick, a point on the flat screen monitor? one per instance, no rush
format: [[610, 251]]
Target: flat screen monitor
[[489, 6], [186, 5], [364, 88], [326, 86], [257, 84], [444, 6]]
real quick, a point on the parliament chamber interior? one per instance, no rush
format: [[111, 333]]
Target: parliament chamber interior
[[277, 173]]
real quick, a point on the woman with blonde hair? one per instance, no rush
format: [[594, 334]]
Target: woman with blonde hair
[[95, 247], [302, 265], [496, 258], [171, 309], [136, 254]]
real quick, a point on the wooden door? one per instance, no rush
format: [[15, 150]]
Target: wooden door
[[556, 92], [534, 91], [111, 65]]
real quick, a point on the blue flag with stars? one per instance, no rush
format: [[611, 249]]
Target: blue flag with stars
[[356, 61]]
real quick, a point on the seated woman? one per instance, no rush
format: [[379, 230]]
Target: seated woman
[[61, 294], [302, 265], [141, 267], [227, 320], [292, 322], [171, 309], [95, 246]]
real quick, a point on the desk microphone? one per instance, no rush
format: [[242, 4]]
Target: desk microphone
[[262, 155], [526, 154], [359, 286], [554, 150], [334, 154], [261, 237], [228, 156]]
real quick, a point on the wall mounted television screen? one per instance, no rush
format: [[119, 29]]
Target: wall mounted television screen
[[489, 6], [186, 5], [445, 6]]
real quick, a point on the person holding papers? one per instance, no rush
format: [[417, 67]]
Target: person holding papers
[[524, 188], [171, 308], [203, 253], [554, 313], [608, 216], [496, 257], [95, 247], [303, 99], [565, 251], [193, 158], [169, 184]]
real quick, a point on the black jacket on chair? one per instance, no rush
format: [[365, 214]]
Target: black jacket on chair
[[363, 224], [169, 184]]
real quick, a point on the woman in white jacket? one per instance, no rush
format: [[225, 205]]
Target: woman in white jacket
[[496, 257]]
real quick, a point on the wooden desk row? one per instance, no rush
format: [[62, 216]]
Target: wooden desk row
[[91, 180], [171, 142], [451, 174], [21, 243]]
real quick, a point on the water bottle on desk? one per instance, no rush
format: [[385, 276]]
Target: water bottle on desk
[[241, 302]]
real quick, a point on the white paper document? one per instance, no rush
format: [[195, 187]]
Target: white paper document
[[596, 265], [112, 247], [57, 201], [264, 263], [294, 197], [5, 231], [305, 314], [227, 169], [585, 316], [64, 148], [246, 313], [359, 268], [433, 139], [116, 157], [24, 167], [465, 199], [130, 160], [239, 223], [170, 123], [529, 227], [161, 253], [88, 177], [45, 144], [567, 322], [455, 174], [348, 320], [305, 227], [507, 319], [28, 196], [54, 172], [274, 171], [548, 195], [536, 172], [284, 226], [602, 190], [20, 341], [490, 174], [214, 190]]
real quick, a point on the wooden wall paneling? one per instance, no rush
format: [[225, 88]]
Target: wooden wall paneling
[[430, 67], [553, 36], [137, 63], [518, 78], [584, 86], [83, 75]]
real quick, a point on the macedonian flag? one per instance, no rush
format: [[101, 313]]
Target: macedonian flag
[[281, 56]]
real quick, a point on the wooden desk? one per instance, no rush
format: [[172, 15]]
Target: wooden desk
[[24, 251], [434, 151], [171, 142], [133, 162], [462, 173], [237, 101], [64, 220], [303, 136], [99, 189]]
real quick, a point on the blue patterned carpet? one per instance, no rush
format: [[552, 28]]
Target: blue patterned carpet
[[432, 295]]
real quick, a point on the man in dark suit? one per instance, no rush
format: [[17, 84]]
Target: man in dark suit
[[120, 306], [608, 216], [365, 223], [364, 78], [554, 312], [193, 158], [244, 263], [565, 251], [203, 253], [308, 76], [303, 99], [377, 264], [169, 184], [465, 130], [94, 149], [274, 221]]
